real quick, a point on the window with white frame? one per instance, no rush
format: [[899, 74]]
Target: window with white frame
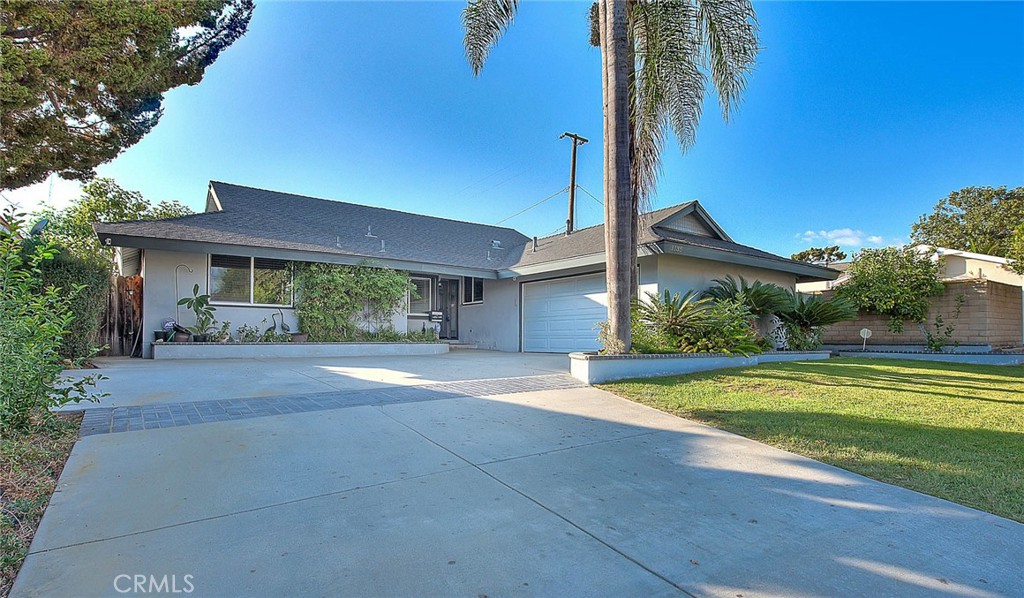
[[472, 290], [250, 280], [419, 300]]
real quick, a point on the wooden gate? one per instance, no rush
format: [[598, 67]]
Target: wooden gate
[[121, 329]]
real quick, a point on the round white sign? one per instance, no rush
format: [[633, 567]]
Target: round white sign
[[865, 333]]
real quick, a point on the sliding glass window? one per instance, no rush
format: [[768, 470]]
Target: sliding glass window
[[252, 281]]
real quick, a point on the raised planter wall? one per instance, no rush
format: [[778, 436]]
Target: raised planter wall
[[595, 369], [272, 350]]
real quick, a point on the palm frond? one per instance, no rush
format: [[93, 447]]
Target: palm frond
[[730, 30], [813, 311], [760, 298], [485, 21], [674, 313], [670, 84], [678, 43]]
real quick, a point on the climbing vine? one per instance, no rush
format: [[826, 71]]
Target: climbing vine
[[344, 303]]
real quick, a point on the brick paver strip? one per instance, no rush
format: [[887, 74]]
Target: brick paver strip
[[105, 420]]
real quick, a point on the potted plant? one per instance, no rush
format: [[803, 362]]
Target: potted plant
[[181, 334], [223, 335], [200, 306], [166, 332]]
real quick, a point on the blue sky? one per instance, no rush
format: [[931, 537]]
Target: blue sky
[[859, 117]]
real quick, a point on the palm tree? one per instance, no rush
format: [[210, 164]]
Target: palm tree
[[656, 58]]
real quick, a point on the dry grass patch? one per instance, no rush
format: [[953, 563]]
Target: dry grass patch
[[30, 465]]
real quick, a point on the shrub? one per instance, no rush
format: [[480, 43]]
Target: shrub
[[760, 298], [92, 276], [894, 281], [726, 328], [33, 321], [648, 338], [338, 303], [693, 324]]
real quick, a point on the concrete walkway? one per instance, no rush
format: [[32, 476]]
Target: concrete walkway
[[548, 492]]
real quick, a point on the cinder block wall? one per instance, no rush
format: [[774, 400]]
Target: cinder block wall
[[991, 315]]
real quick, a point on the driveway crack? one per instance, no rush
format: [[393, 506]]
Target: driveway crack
[[244, 511]]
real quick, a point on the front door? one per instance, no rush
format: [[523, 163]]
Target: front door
[[448, 300]]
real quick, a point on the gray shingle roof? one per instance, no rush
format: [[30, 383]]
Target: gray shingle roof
[[261, 218], [589, 241], [253, 217]]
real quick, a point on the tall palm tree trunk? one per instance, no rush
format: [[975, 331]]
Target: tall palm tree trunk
[[615, 62], [634, 266]]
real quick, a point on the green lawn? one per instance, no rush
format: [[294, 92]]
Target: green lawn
[[953, 431]]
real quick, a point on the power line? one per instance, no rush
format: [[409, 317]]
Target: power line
[[592, 196], [484, 178], [523, 211], [502, 182]]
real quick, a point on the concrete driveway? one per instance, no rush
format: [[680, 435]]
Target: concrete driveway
[[149, 382], [491, 487]]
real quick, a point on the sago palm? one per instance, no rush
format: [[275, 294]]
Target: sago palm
[[674, 314], [760, 298], [813, 311]]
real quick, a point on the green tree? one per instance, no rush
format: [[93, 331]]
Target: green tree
[[1016, 251], [894, 281], [657, 59], [977, 219], [34, 318], [102, 200], [81, 81], [820, 255]]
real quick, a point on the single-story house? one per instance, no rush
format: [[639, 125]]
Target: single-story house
[[488, 285]]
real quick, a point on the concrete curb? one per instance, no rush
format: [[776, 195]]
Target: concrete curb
[[595, 369]]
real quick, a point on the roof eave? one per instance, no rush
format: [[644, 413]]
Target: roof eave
[[121, 240], [570, 263], [804, 272]]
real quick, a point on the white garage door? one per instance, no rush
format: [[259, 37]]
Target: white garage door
[[561, 315]]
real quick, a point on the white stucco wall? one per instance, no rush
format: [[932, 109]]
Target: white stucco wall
[[493, 324], [959, 266], [159, 297], [678, 273]]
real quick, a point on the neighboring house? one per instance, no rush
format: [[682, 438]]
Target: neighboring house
[[992, 316], [487, 285], [817, 286], [964, 265], [955, 265]]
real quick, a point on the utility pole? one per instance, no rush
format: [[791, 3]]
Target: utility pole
[[576, 142]]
